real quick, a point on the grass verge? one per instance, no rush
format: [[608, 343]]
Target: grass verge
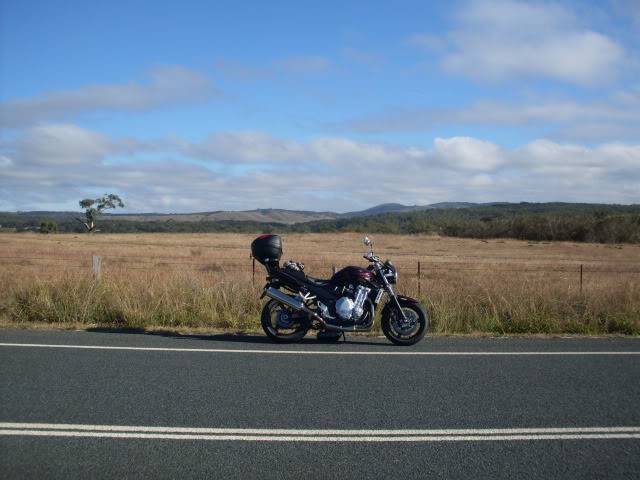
[[182, 302]]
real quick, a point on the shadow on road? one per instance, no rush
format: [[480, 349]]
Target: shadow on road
[[234, 337]]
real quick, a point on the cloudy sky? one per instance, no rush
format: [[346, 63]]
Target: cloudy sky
[[196, 106]]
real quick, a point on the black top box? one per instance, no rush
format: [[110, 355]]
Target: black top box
[[267, 249]]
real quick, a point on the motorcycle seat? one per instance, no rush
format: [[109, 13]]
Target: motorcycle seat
[[318, 282]]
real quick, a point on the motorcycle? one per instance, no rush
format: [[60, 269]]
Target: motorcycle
[[347, 302]]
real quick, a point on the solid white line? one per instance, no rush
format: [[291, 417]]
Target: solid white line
[[321, 432], [286, 438], [309, 352]]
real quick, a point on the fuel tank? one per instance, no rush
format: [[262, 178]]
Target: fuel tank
[[353, 275]]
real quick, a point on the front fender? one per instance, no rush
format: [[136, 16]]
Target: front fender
[[406, 300], [403, 300]]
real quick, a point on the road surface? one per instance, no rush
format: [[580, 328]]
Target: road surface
[[104, 404]]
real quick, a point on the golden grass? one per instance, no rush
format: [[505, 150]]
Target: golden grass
[[204, 281]]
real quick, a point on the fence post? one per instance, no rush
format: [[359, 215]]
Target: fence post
[[580, 279], [253, 270], [97, 266], [419, 290]]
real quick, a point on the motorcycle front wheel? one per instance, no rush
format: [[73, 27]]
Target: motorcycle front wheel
[[405, 332], [282, 324]]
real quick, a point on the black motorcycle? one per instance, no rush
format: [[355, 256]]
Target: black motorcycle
[[346, 302]]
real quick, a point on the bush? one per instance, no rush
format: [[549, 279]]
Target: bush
[[48, 226]]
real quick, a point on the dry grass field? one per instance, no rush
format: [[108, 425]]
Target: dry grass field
[[204, 281]]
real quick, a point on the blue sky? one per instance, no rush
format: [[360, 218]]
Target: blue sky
[[194, 106]]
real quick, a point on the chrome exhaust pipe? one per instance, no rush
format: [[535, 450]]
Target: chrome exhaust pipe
[[292, 302], [288, 300]]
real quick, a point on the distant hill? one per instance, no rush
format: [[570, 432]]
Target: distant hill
[[383, 208], [457, 205], [553, 221], [263, 215], [399, 208], [266, 215], [276, 215]]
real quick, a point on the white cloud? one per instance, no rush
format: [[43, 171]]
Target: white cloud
[[5, 161], [481, 180], [54, 166], [256, 147], [259, 147], [347, 153], [168, 85], [501, 39], [468, 153], [62, 145], [615, 117], [545, 156]]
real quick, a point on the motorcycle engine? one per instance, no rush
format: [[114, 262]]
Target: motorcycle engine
[[344, 308], [352, 309]]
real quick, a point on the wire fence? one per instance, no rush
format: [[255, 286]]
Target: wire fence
[[415, 269]]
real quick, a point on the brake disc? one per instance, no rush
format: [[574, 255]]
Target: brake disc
[[285, 320]]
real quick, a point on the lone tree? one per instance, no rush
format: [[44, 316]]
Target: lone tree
[[93, 207], [48, 226]]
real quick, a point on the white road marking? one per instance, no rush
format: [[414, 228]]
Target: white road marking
[[316, 435], [302, 431], [313, 352]]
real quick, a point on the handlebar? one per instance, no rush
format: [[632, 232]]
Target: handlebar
[[371, 257]]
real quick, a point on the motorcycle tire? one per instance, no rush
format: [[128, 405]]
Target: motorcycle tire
[[297, 331], [393, 330]]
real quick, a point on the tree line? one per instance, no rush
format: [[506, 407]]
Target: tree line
[[525, 221]]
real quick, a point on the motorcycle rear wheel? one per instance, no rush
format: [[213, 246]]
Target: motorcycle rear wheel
[[407, 334], [282, 324]]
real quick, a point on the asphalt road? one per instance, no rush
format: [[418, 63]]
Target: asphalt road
[[167, 407]]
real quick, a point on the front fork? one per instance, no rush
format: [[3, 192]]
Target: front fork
[[393, 295], [389, 289]]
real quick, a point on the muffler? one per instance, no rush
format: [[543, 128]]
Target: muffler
[[288, 300], [293, 302]]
